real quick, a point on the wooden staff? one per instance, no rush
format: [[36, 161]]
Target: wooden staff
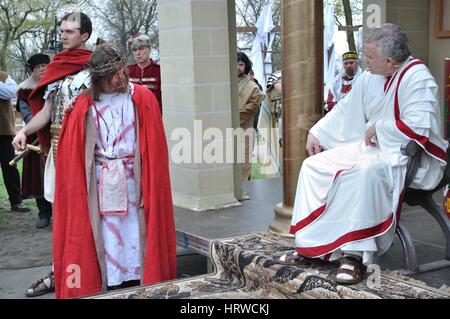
[[29, 148]]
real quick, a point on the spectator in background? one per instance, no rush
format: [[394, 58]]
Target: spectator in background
[[250, 97], [11, 176], [344, 80], [145, 72], [33, 165]]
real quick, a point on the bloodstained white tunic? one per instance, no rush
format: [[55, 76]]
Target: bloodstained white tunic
[[114, 114], [348, 196]]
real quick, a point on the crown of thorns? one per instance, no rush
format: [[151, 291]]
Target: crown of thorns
[[110, 67]]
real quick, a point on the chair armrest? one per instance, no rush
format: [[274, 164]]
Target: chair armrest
[[410, 149], [414, 152]]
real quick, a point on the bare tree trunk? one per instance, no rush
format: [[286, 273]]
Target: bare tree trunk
[[349, 23], [3, 60]]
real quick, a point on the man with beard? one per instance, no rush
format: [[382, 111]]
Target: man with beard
[[250, 97], [115, 215], [344, 80]]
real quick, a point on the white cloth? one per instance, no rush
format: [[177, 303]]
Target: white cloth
[[264, 26], [117, 140], [112, 188], [49, 177], [347, 197], [8, 89], [329, 61]]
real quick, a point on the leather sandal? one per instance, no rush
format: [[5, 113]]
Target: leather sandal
[[41, 287], [356, 273], [292, 258]]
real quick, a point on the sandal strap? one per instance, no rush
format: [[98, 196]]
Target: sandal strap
[[350, 261], [349, 272], [357, 271]]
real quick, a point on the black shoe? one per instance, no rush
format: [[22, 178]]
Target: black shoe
[[43, 222], [21, 208]]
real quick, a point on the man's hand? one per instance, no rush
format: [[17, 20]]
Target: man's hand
[[68, 105], [313, 145], [371, 132], [20, 141]]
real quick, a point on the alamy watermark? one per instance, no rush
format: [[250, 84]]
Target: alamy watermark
[[218, 146]]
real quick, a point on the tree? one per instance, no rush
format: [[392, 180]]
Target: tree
[[25, 28], [349, 23], [347, 10], [15, 21], [125, 18]]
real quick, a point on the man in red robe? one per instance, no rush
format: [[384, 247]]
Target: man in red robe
[[113, 138], [146, 71], [64, 78]]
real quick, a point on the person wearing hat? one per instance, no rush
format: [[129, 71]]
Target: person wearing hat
[[145, 72], [33, 167], [344, 80]]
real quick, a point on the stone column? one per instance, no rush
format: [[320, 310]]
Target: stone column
[[302, 82], [195, 76]]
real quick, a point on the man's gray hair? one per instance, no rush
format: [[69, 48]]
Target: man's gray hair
[[390, 41]]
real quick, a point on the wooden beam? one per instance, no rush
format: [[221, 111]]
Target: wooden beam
[[254, 29], [349, 27]]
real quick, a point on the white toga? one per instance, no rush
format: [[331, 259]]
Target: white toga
[[348, 196]]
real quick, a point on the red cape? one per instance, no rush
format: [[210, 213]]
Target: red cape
[[73, 241], [63, 64]]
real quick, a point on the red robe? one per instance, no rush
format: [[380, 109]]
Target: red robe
[[33, 166], [63, 64], [150, 77], [73, 241]]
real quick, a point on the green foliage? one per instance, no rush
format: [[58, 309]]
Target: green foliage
[[25, 26]]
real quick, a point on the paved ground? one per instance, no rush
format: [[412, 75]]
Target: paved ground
[[26, 255]]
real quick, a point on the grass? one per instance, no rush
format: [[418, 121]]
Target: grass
[[256, 171]]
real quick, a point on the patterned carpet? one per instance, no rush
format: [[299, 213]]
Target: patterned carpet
[[245, 268]]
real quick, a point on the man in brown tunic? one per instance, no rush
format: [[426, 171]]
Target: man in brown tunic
[[250, 97]]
